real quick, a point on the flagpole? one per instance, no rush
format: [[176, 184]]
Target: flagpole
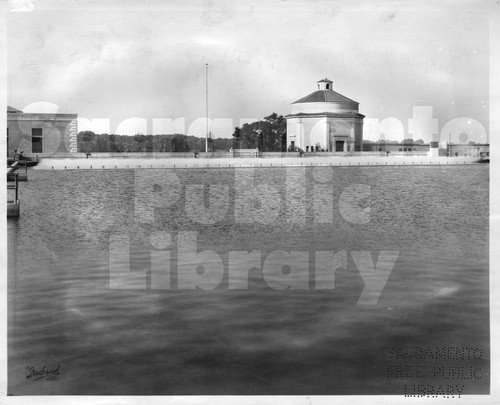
[[206, 115]]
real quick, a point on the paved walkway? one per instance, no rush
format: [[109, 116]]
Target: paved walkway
[[147, 163]]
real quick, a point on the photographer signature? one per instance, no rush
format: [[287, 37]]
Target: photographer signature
[[43, 373]]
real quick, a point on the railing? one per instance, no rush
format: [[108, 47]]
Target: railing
[[218, 155]]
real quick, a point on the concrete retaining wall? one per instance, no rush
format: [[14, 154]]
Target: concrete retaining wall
[[144, 163]]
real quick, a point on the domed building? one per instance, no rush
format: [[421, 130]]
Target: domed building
[[325, 120]]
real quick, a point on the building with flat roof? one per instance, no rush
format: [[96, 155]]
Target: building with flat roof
[[470, 149], [326, 121], [40, 133], [396, 148]]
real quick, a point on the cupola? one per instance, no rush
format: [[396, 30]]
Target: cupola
[[325, 84]]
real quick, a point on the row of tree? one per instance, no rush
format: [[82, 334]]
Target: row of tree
[[89, 142], [408, 141], [268, 135]]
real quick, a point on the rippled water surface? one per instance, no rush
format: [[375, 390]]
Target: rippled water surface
[[161, 339]]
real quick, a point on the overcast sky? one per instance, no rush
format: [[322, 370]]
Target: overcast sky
[[147, 59]]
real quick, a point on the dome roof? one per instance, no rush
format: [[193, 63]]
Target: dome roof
[[325, 96], [325, 100]]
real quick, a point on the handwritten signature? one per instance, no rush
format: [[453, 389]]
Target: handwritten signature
[[38, 374]]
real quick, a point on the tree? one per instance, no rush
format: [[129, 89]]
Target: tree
[[283, 141], [143, 143], [209, 144], [222, 144], [112, 144], [158, 145], [248, 136], [276, 138], [102, 143], [139, 140], [88, 139], [419, 142], [180, 143], [236, 138], [260, 140], [408, 140], [268, 134]]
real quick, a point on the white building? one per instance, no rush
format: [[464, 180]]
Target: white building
[[325, 120], [40, 133]]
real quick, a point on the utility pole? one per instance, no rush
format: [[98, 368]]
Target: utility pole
[[206, 114]]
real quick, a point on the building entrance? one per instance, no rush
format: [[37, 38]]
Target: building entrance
[[339, 146]]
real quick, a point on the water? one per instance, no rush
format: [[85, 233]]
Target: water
[[259, 340]]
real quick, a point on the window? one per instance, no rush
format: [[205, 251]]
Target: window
[[401, 149], [328, 87], [36, 140]]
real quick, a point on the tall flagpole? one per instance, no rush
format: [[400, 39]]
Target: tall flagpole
[[206, 115]]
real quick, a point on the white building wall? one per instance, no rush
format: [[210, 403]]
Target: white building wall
[[307, 126], [319, 133], [311, 108], [291, 131]]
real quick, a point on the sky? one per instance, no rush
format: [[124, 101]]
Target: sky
[[140, 67]]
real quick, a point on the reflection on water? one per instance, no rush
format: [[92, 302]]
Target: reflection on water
[[258, 340]]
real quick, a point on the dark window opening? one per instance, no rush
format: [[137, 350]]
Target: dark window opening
[[36, 140]]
